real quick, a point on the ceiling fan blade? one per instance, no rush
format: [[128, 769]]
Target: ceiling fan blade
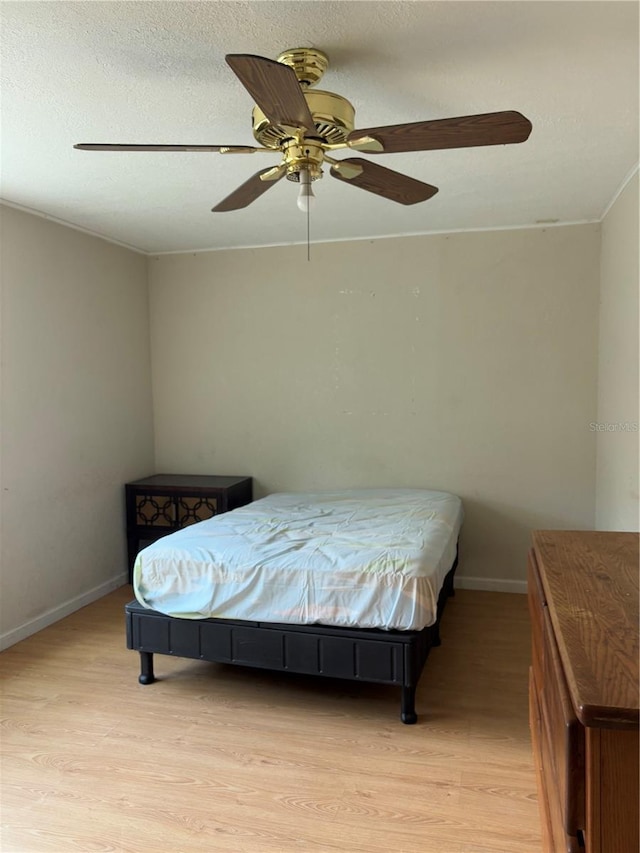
[[251, 189], [382, 181], [274, 87], [100, 146], [503, 128]]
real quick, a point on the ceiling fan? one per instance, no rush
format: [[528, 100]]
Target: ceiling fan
[[307, 126]]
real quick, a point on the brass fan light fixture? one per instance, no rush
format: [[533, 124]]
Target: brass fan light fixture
[[306, 126]]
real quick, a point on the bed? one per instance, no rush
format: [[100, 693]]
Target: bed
[[347, 584]]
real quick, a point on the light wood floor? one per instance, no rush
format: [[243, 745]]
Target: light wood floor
[[222, 758]]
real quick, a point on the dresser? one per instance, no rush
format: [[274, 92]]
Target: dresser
[[583, 689], [164, 503]]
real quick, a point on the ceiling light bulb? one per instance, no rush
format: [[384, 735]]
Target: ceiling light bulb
[[306, 197]]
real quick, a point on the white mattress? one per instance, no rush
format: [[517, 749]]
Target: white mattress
[[373, 558]]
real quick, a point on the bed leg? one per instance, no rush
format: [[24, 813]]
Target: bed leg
[[435, 637], [146, 668], [408, 704], [448, 585]]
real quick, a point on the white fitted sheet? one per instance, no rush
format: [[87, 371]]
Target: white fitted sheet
[[368, 558]]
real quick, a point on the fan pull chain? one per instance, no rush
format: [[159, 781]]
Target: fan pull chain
[[308, 219], [308, 242]]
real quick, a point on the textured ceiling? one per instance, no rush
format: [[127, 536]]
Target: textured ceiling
[[154, 72]]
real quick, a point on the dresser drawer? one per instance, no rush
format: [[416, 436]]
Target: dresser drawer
[[554, 837], [564, 735], [537, 605], [560, 840]]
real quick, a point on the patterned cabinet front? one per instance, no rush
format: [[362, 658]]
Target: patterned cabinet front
[[191, 510], [164, 503], [155, 510]]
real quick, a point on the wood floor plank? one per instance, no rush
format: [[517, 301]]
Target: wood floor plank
[[222, 758]]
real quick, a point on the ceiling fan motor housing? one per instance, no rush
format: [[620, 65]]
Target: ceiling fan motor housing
[[334, 119], [333, 116]]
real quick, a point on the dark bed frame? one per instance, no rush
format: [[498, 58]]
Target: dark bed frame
[[372, 655]]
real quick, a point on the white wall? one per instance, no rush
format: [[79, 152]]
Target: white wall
[[76, 416], [465, 362], [617, 500]]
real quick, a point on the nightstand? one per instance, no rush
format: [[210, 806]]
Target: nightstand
[[164, 503]]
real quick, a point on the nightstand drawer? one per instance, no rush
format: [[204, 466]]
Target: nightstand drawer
[[155, 511], [194, 509], [168, 511]]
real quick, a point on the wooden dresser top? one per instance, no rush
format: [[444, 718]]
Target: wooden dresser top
[[591, 584]]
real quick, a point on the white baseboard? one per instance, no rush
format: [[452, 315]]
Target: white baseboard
[[490, 584], [14, 636]]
